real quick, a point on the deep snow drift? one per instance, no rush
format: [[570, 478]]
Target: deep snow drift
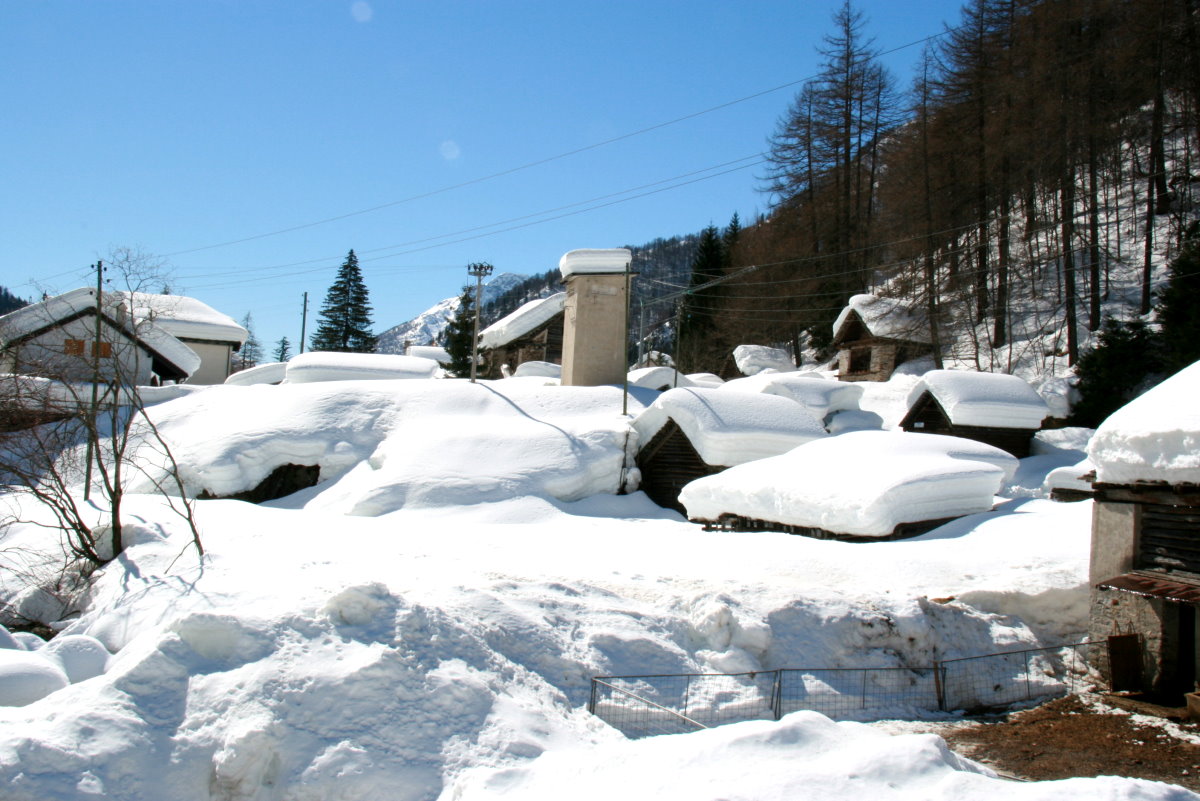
[[391, 634]]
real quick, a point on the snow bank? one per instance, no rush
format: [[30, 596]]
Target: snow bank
[[522, 321], [28, 674], [315, 366], [439, 355], [885, 317], [392, 444], [660, 378], [862, 483], [820, 396], [269, 373], [1155, 437], [728, 428], [803, 756], [705, 379], [611, 260], [538, 369], [983, 399], [753, 359]]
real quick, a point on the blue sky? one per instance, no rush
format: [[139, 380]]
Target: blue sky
[[238, 140]]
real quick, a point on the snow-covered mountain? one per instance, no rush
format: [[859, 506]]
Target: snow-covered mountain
[[427, 326]]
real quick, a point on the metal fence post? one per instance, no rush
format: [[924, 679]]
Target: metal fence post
[[777, 695], [1028, 689], [592, 700], [939, 687], [687, 690], [863, 691]]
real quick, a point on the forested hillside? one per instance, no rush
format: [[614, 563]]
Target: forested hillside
[[1033, 177]]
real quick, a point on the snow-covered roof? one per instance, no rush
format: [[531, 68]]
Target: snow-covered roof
[[520, 322], [819, 395], [863, 483], [728, 428], [330, 366], [995, 400], [154, 336], [538, 369], [609, 260], [1069, 477], [658, 377], [440, 355], [187, 318], [753, 359], [705, 379], [884, 317], [269, 373], [1154, 437]]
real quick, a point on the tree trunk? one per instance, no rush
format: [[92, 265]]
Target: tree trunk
[[1068, 258]]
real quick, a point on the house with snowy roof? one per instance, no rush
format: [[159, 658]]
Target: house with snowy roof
[[1001, 410], [212, 335], [691, 432], [862, 485], [532, 333], [874, 335], [1145, 559], [71, 337]]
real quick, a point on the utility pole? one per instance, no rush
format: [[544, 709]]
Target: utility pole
[[92, 412], [303, 321], [479, 270], [625, 344]]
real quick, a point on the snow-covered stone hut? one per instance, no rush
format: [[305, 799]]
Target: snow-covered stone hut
[[1001, 410], [858, 485], [874, 335], [1145, 562], [56, 338], [532, 333], [692, 432]]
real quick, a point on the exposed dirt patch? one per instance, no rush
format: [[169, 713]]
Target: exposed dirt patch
[[1074, 737]]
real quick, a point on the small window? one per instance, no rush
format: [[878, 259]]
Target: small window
[[73, 347], [102, 349], [860, 360]]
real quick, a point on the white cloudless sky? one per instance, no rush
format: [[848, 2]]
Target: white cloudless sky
[[240, 139]]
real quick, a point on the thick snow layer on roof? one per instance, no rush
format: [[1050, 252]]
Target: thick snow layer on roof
[[728, 428], [156, 336], [983, 399], [609, 260], [269, 373], [440, 355], [821, 396], [1070, 477], [853, 420], [753, 359], [329, 366], [538, 369], [186, 318], [863, 483], [658, 378], [885, 317], [522, 321], [705, 379], [1155, 437]]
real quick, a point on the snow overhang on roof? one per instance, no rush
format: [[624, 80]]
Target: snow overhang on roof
[[522, 321], [884, 317], [994, 400], [611, 260], [730, 428], [1154, 437], [37, 316], [187, 318]]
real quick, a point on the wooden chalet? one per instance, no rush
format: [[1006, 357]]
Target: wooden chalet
[[874, 335], [533, 333], [993, 408], [668, 463], [926, 416]]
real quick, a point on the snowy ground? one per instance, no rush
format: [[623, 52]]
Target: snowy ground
[[346, 644]]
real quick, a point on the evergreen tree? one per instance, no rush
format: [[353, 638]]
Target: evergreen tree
[[697, 312], [460, 335], [1177, 309], [251, 352], [344, 322], [1126, 362], [283, 350], [9, 302]]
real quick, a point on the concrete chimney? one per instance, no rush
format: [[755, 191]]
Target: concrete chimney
[[594, 332]]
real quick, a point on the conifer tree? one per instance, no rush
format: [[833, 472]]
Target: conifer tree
[[344, 322], [283, 350], [460, 335], [251, 350], [697, 311]]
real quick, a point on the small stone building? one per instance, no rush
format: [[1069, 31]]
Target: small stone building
[[1145, 558], [994, 408], [532, 333], [688, 433], [874, 335]]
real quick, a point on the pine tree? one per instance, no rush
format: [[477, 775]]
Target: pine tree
[[251, 352], [344, 322], [697, 311], [1177, 309], [460, 335], [283, 350]]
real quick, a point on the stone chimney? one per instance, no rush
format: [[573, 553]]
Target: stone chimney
[[594, 333]]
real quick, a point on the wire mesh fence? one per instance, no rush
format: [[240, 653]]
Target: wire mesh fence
[[641, 706]]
